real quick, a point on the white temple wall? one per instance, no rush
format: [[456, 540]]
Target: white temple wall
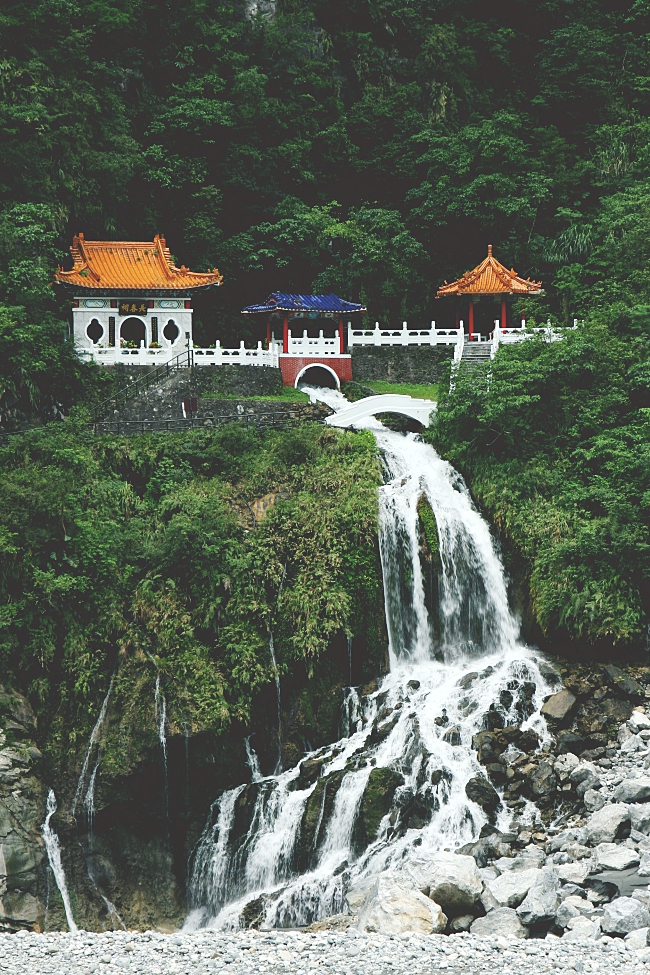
[[155, 321]]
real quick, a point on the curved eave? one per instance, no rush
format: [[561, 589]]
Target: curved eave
[[132, 289], [443, 293]]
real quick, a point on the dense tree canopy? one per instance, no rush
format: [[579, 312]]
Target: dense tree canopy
[[374, 146]]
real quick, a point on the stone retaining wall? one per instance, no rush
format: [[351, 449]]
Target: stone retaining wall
[[396, 364]]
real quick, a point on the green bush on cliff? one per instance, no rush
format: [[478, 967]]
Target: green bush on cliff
[[556, 450], [177, 555]]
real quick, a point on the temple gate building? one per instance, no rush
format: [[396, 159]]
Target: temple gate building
[[130, 295], [317, 359]]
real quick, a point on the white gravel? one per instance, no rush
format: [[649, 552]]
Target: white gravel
[[252, 952]]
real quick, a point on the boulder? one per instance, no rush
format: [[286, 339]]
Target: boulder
[[631, 745], [623, 915], [580, 929], [633, 790], [639, 721], [509, 889], [543, 781], [640, 817], [559, 707], [479, 790], [644, 866], [609, 856], [531, 857], [593, 800], [573, 873], [542, 900], [565, 764], [608, 824], [358, 892], [462, 923], [392, 907], [637, 939], [573, 906], [488, 847], [501, 922], [450, 879]]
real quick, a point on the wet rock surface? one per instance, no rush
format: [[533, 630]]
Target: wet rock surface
[[22, 810], [502, 950]]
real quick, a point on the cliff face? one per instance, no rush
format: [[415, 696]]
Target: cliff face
[[23, 881]]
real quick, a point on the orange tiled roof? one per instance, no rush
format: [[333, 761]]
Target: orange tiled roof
[[490, 278], [126, 265]]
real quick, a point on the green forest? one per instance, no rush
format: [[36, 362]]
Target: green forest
[[374, 148]]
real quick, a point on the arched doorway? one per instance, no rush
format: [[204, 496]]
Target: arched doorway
[[318, 375], [133, 330]]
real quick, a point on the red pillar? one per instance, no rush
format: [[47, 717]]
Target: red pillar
[[268, 333], [285, 334], [341, 339], [471, 318], [504, 316]]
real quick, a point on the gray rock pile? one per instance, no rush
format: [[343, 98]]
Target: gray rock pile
[[580, 873], [349, 952]]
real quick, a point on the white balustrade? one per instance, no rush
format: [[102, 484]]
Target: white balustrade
[[211, 356], [402, 336], [304, 345]]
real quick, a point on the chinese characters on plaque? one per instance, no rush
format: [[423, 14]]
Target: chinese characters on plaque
[[133, 307]]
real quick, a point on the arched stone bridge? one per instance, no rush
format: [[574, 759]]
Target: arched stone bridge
[[416, 409]]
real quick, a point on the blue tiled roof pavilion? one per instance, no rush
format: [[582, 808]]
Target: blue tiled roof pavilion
[[329, 304]]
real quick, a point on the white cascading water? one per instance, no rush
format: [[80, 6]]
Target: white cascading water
[[53, 850], [93, 742], [449, 666]]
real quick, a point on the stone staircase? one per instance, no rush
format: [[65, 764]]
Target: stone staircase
[[476, 354]]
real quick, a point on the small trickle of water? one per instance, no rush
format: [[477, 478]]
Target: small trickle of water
[[113, 914], [92, 744], [161, 718], [350, 659], [276, 674], [53, 849], [253, 761]]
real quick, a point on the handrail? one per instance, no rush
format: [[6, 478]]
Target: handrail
[[138, 385]]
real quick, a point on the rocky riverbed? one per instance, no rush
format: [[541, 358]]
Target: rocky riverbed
[[338, 953]]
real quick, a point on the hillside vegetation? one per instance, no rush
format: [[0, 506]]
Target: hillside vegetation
[[373, 147]]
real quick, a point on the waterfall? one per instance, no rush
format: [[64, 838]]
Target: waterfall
[[53, 849], [93, 741], [285, 849], [160, 708]]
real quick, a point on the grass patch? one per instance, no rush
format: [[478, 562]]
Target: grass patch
[[421, 390], [288, 395]]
